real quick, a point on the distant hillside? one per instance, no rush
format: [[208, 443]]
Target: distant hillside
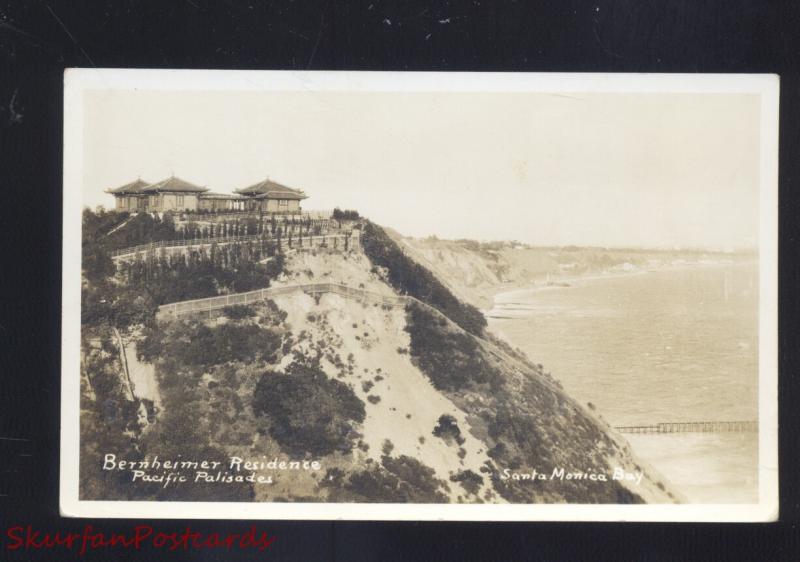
[[475, 271]]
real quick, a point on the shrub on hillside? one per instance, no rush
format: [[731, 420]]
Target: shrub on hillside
[[411, 278], [97, 264], [238, 311], [400, 480], [469, 480], [143, 228], [308, 412], [95, 250], [108, 304], [178, 434], [193, 343], [447, 429], [451, 359], [130, 308], [274, 314], [421, 478], [345, 215], [106, 426], [99, 222]]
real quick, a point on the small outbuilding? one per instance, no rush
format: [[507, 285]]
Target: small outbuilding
[[219, 202], [271, 197]]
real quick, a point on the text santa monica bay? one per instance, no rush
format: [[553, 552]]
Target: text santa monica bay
[[560, 473]]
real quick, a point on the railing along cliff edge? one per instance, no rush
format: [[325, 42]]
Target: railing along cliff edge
[[171, 246], [215, 303]]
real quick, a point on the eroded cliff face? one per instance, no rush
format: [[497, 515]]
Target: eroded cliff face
[[365, 345], [475, 271], [396, 402]]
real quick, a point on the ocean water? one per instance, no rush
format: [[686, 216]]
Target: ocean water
[[671, 345]]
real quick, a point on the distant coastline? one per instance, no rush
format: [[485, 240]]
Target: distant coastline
[[498, 293], [626, 362], [479, 272]]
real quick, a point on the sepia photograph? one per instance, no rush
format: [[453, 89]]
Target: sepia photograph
[[342, 295]]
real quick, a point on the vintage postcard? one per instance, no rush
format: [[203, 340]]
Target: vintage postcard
[[342, 295]]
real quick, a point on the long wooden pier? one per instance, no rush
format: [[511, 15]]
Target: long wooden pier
[[693, 427]]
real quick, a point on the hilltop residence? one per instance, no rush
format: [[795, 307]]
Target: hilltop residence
[[271, 197], [175, 194]]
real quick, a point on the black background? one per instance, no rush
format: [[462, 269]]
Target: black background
[[39, 39]]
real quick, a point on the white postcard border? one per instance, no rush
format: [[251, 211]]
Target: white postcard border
[[78, 81]]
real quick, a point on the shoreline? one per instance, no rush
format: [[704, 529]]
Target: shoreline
[[492, 294], [690, 464]]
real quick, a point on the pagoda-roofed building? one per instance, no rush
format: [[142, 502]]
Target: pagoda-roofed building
[[176, 194], [171, 194], [129, 197], [271, 197]]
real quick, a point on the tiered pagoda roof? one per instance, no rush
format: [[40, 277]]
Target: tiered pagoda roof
[[270, 189], [134, 187], [174, 185]]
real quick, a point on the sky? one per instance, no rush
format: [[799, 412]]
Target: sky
[[645, 170]]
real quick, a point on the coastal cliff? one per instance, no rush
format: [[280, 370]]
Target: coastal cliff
[[405, 399]]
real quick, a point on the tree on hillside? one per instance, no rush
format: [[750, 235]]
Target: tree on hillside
[[345, 215], [308, 412]]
